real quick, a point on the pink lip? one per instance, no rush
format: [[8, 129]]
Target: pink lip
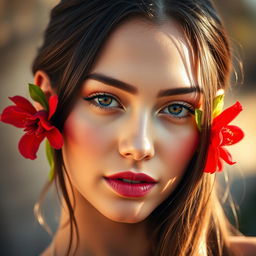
[[131, 189]]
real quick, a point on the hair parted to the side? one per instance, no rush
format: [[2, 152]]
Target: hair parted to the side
[[72, 43]]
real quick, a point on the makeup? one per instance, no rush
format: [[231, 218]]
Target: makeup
[[130, 184]]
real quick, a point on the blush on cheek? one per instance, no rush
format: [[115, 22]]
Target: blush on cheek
[[83, 135], [180, 150]]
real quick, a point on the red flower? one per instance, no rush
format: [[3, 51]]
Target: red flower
[[222, 135], [36, 123]]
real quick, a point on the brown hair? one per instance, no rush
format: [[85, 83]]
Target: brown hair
[[72, 43]]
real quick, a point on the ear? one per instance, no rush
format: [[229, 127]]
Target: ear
[[42, 79]]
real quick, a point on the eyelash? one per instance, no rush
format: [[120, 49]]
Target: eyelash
[[100, 95], [188, 107]]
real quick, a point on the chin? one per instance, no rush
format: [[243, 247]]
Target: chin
[[126, 217]]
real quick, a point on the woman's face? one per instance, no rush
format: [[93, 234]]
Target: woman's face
[[142, 125]]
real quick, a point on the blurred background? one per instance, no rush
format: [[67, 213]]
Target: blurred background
[[21, 31]]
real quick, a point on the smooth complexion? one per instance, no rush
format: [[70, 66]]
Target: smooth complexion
[[139, 130]]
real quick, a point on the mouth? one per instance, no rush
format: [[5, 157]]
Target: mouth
[[130, 184]]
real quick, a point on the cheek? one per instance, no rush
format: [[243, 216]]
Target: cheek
[[180, 146], [83, 136], [85, 142]]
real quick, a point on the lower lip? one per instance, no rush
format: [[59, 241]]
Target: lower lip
[[129, 189]]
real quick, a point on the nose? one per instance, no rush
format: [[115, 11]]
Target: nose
[[136, 140]]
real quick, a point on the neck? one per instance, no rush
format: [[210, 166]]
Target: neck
[[99, 235]]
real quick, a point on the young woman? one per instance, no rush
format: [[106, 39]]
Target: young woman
[[139, 86]]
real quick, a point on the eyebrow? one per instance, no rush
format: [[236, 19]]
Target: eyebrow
[[133, 90]]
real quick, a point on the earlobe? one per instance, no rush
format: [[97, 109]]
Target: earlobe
[[42, 79]]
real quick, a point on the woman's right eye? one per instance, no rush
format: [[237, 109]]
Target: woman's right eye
[[102, 101]]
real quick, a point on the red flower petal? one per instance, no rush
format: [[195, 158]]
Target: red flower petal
[[227, 116], [55, 138], [15, 116], [223, 134], [216, 138], [42, 115], [226, 156], [24, 104], [46, 124], [29, 144], [231, 135], [212, 160], [53, 102], [220, 165]]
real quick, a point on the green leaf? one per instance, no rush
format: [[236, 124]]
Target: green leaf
[[218, 103], [37, 95], [50, 158], [198, 117]]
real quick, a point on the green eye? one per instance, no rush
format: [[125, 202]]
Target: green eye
[[175, 109], [103, 101], [179, 110]]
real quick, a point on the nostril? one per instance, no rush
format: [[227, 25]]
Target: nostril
[[147, 157]]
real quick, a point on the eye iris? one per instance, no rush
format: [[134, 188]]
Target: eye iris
[[105, 100], [175, 109]]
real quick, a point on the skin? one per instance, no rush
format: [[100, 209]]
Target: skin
[[243, 246], [133, 135]]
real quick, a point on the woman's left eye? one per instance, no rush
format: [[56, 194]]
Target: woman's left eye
[[179, 110], [102, 101]]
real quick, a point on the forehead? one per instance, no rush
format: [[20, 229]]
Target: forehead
[[147, 56]]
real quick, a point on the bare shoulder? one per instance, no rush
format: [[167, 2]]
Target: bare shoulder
[[47, 251], [243, 245]]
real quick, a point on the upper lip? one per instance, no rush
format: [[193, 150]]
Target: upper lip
[[132, 176]]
